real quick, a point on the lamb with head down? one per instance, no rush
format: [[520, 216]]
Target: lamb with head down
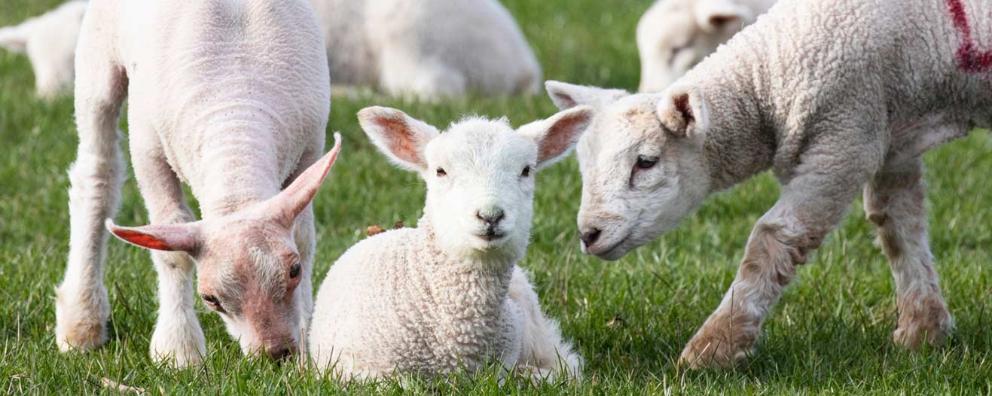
[[836, 98]]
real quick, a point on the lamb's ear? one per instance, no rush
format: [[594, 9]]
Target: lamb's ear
[[567, 96], [683, 112], [14, 38], [716, 15], [401, 137], [168, 237], [291, 201], [556, 136]]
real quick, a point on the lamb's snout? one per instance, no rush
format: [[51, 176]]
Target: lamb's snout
[[491, 216], [280, 351], [589, 236]]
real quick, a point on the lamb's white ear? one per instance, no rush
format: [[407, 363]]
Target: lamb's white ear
[[567, 96], [556, 136], [717, 15], [14, 38], [401, 137], [167, 237], [290, 202], [683, 111]]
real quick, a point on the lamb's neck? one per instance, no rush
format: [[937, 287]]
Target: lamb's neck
[[740, 141], [240, 168]]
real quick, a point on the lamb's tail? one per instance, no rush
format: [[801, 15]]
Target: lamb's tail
[[14, 38]]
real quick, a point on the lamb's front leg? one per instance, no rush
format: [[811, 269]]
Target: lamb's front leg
[[178, 338], [809, 208], [894, 201], [543, 353], [306, 242]]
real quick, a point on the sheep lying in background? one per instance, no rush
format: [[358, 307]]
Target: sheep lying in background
[[49, 40], [833, 97], [429, 49], [674, 35], [231, 98], [448, 295]]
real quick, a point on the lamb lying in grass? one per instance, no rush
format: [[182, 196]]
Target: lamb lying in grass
[[429, 49], [231, 98], [835, 97], [448, 295], [674, 35], [49, 40]]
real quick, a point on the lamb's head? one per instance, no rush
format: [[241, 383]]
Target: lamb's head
[[248, 263], [643, 169], [479, 173], [675, 35]]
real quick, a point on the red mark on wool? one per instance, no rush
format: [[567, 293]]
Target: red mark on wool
[[970, 59]]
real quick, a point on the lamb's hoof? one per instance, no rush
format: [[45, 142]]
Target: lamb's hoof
[[81, 323], [712, 351], [83, 335], [923, 321], [179, 348]]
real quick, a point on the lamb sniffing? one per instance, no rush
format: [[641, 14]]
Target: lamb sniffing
[[448, 294], [837, 98], [231, 98]]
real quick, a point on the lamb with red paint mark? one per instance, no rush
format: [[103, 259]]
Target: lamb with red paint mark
[[836, 98]]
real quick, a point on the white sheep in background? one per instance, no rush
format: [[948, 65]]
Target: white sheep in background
[[231, 98], [448, 294], [49, 40], [429, 49], [674, 35], [835, 97]]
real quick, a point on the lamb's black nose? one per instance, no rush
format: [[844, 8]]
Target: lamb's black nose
[[279, 353], [589, 237], [491, 217]]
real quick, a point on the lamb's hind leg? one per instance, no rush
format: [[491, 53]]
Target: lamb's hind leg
[[894, 201], [81, 307], [543, 351], [178, 338]]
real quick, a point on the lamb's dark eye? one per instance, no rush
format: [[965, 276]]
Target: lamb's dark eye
[[526, 171], [645, 162], [294, 271], [441, 172], [212, 302]]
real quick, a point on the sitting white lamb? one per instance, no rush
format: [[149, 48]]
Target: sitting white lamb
[[49, 40], [429, 49], [836, 98], [448, 294], [674, 35]]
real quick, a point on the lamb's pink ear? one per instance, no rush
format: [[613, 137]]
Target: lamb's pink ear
[[683, 112], [14, 38], [567, 96], [716, 15], [557, 135], [401, 137], [167, 237], [291, 201]]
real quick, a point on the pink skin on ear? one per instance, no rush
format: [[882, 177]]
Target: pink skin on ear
[[167, 237], [564, 132], [291, 201]]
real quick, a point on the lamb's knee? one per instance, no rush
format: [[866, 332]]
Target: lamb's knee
[[774, 251]]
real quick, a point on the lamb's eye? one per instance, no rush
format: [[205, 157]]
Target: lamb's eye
[[526, 171], [212, 302], [645, 162], [441, 172], [294, 271]]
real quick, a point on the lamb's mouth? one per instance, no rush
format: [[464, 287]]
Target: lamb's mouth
[[491, 236], [610, 253]]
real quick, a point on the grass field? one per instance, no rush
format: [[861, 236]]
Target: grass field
[[629, 319]]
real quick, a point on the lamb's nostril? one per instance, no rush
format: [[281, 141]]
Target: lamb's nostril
[[491, 217], [589, 237], [279, 353]]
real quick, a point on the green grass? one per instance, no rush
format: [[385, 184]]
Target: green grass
[[629, 319]]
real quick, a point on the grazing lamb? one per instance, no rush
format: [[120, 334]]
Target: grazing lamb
[[833, 97], [448, 295], [231, 98], [674, 35], [428, 49], [49, 40]]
